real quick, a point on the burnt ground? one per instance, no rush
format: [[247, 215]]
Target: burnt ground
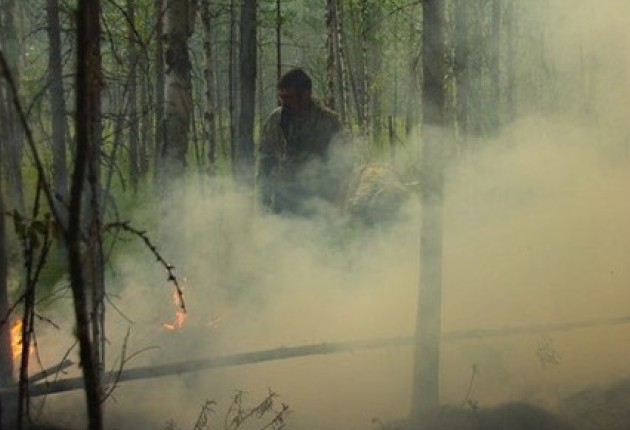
[[593, 408]]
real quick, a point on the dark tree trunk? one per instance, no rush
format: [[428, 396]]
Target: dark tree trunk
[[146, 124], [12, 151], [428, 325], [510, 87], [278, 39], [248, 59], [231, 86], [88, 95], [160, 130], [209, 120], [495, 64], [6, 354], [342, 66], [132, 62], [330, 54], [461, 69]]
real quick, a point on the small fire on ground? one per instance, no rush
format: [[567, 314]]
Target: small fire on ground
[[180, 314], [16, 340]]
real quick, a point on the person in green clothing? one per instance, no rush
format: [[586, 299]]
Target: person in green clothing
[[293, 155]]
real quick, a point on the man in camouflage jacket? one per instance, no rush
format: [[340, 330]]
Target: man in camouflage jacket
[[294, 147]]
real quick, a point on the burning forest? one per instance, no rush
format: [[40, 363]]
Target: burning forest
[[334, 214]]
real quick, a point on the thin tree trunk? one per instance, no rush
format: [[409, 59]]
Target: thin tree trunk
[[461, 71], [248, 58], [364, 98], [146, 124], [159, 91], [231, 86], [495, 63], [510, 87], [278, 39], [342, 64], [209, 123], [330, 54], [57, 104], [6, 354], [428, 323], [132, 117]]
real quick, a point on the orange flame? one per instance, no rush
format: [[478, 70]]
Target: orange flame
[[180, 314], [16, 339]]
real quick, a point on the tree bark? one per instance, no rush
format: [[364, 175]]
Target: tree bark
[[179, 21], [461, 69], [88, 96], [428, 323], [209, 119], [510, 87], [330, 54], [12, 151], [495, 67], [342, 69], [160, 126], [248, 59], [278, 39], [57, 104], [132, 116], [6, 354]]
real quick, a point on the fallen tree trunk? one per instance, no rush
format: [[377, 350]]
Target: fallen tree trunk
[[283, 353]]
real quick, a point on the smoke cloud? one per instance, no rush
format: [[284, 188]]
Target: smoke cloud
[[536, 231]]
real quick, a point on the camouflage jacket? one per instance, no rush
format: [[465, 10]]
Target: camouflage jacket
[[288, 147]]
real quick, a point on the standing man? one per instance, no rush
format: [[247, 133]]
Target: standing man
[[293, 153]]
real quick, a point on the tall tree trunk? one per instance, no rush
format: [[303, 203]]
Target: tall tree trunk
[[278, 39], [209, 120], [330, 54], [428, 324], [231, 86], [160, 126], [12, 153], [146, 124], [510, 86], [495, 64], [461, 69], [179, 21], [57, 104], [248, 59], [6, 354], [342, 65], [364, 103], [88, 96], [132, 62], [375, 47], [412, 116]]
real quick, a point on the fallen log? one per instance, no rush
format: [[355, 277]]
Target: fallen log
[[283, 353], [53, 370]]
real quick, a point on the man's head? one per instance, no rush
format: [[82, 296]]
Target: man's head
[[294, 90]]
